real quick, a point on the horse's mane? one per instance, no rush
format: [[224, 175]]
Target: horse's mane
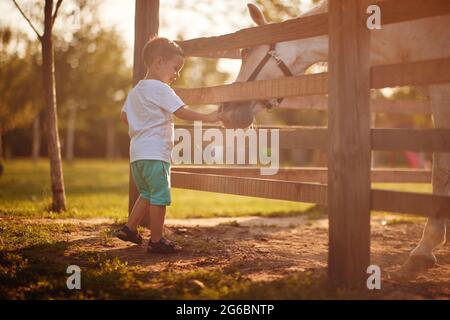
[[321, 7]]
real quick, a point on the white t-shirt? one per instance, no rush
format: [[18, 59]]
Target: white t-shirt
[[149, 107]]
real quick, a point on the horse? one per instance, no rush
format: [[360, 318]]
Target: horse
[[396, 43]]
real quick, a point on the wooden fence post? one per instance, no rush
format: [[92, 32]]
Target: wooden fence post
[[349, 147], [146, 25]]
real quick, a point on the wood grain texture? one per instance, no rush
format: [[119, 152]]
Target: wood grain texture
[[349, 145], [298, 28], [320, 102], [146, 23], [382, 200], [393, 11], [263, 188], [435, 71], [427, 205], [257, 90], [382, 139], [309, 174]]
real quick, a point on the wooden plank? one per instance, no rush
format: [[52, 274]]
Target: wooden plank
[[349, 145], [420, 140], [406, 10], [382, 200], [304, 138], [257, 90], [310, 26], [263, 188], [427, 205], [310, 174], [226, 54], [426, 140], [435, 71], [146, 24], [314, 138], [298, 28], [320, 102], [401, 175], [382, 139]]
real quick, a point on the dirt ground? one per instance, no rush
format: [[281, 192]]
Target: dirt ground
[[265, 249]]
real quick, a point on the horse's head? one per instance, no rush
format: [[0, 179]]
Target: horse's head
[[270, 62], [257, 64]]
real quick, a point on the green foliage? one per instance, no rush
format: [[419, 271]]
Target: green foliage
[[92, 78], [19, 85]]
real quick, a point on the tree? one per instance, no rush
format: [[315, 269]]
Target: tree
[[18, 86], [54, 149], [95, 62]]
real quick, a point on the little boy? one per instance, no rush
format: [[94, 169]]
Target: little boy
[[148, 111]]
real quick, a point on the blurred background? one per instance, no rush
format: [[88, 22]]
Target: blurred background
[[93, 45]]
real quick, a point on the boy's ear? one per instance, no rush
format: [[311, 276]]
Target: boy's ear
[[159, 60]]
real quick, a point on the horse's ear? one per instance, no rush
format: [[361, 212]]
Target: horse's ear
[[256, 14]]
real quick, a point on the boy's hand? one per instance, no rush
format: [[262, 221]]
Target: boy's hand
[[186, 113], [213, 116]]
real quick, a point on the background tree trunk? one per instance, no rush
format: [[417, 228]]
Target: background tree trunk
[[146, 26], [54, 148], [1, 150], [1, 142], [36, 140], [110, 138], [70, 139]]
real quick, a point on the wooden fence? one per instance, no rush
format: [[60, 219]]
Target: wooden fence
[[349, 140]]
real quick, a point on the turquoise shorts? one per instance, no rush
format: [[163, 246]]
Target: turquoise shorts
[[152, 178]]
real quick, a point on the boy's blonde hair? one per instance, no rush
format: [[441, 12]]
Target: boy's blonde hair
[[160, 47]]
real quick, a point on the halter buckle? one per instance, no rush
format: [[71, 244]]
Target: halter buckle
[[274, 55]]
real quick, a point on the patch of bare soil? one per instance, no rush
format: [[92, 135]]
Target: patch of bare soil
[[265, 249]]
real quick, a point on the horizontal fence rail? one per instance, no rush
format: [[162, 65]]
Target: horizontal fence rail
[[391, 139], [306, 27], [427, 205], [382, 200], [306, 174], [272, 189], [436, 71], [320, 103], [257, 90]]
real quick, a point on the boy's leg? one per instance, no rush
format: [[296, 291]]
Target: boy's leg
[[159, 183], [140, 208], [158, 243], [129, 231], [157, 216]]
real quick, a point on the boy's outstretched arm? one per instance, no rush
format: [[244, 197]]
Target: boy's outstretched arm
[[123, 117], [186, 113]]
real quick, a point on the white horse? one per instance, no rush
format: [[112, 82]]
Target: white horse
[[402, 42]]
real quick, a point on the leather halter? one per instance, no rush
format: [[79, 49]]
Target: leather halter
[[284, 68]]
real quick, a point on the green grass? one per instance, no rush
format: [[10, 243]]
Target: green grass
[[96, 188]]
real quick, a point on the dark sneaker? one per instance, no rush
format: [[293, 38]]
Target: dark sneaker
[[126, 234], [163, 246]]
